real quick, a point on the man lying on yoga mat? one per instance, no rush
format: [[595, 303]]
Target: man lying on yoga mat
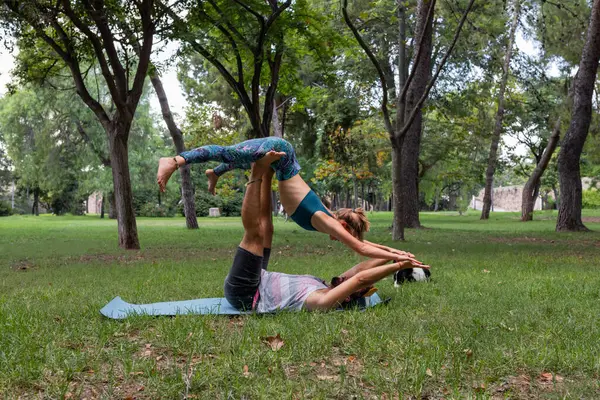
[[249, 286], [299, 201]]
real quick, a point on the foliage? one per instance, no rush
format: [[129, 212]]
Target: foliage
[[591, 199], [228, 202], [205, 201], [232, 205], [155, 210], [5, 208]]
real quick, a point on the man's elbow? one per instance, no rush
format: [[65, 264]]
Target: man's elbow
[[324, 305]]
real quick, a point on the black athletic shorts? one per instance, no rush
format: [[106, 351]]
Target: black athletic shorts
[[243, 279]]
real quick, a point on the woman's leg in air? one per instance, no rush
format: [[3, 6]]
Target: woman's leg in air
[[240, 155], [266, 215]]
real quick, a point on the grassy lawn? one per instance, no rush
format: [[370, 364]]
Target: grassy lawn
[[513, 312]]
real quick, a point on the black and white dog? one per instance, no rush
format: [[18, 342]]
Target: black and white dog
[[411, 275]]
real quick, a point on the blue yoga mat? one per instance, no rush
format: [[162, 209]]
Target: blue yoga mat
[[117, 308]]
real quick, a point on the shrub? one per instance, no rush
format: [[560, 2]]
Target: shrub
[[204, 201], [5, 209], [591, 199], [155, 210], [232, 205]]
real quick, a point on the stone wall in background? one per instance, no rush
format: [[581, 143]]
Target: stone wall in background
[[508, 198]]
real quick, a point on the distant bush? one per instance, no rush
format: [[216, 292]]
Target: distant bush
[[204, 201], [591, 199], [5, 209], [232, 205], [155, 210], [144, 199]]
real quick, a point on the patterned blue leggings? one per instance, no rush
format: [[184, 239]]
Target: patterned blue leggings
[[242, 154]]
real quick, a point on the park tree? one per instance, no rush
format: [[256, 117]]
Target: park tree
[[5, 174], [569, 214], [44, 147], [89, 33], [187, 187], [531, 190], [413, 90], [453, 151], [497, 133], [24, 127], [536, 115]]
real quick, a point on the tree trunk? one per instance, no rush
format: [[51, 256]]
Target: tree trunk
[[128, 237], [545, 201], [277, 127], [412, 141], [532, 187], [395, 202], [493, 156], [452, 201], [35, 210], [112, 203], [102, 205], [569, 213], [396, 199], [187, 187], [363, 201]]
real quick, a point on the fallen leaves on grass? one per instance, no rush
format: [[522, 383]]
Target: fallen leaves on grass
[[274, 342], [468, 353], [245, 372], [236, 322], [428, 372], [148, 350], [548, 378], [520, 386], [485, 271]]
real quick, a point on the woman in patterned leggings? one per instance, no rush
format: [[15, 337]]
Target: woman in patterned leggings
[[299, 201]]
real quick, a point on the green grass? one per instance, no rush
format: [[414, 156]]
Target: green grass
[[509, 301]]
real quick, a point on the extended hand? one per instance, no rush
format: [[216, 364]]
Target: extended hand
[[400, 252], [414, 263], [410, 263]]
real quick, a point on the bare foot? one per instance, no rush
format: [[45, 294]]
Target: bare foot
[[212, 180], [270, 158], [166, 167]]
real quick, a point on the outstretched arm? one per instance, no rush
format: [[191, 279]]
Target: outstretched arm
[[363, 266], [331, 226], [390, 249], [365, 278]]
